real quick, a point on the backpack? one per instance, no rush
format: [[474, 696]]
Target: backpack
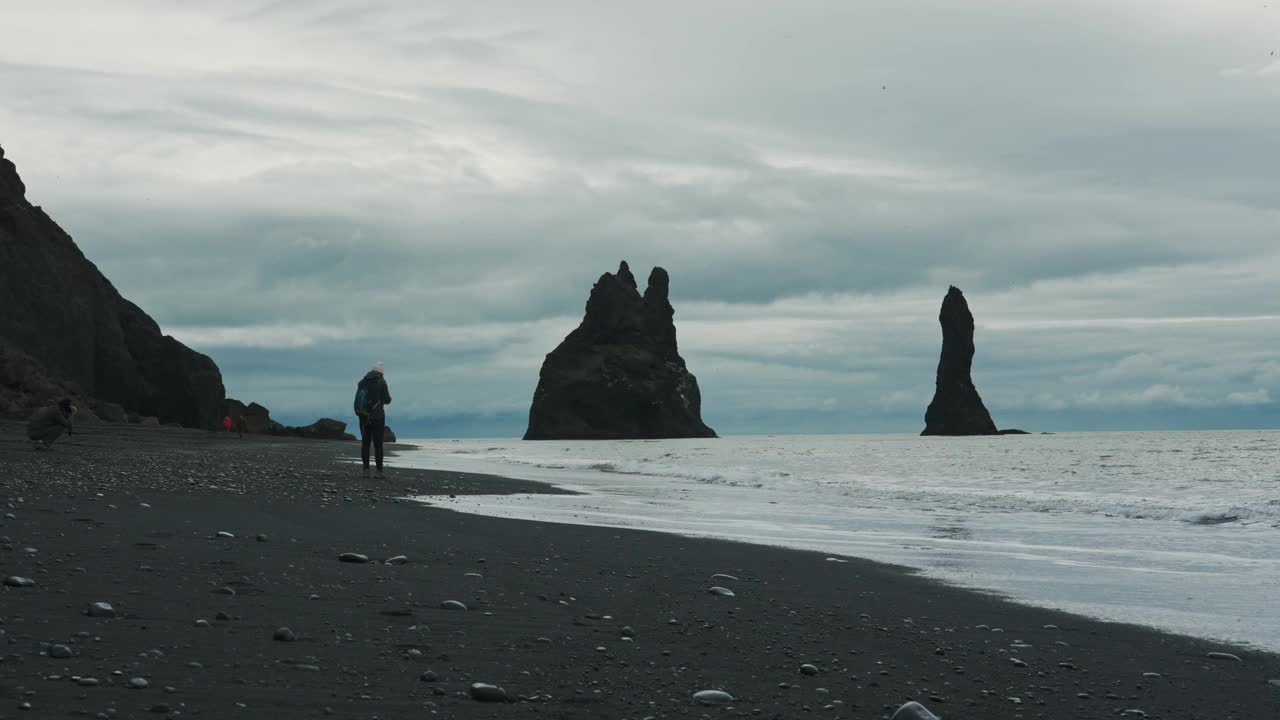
[[364, 398]]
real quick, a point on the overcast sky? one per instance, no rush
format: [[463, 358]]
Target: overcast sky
[[301, 187]]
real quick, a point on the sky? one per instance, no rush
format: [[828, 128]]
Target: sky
[[300, 188]]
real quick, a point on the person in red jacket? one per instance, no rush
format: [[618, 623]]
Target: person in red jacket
[[226, 423]]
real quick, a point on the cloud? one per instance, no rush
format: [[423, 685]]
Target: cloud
[[293, 186]]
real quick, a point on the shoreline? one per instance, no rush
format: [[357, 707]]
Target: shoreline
[[130, 516]]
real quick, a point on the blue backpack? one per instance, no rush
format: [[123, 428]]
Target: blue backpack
[[364, 398]]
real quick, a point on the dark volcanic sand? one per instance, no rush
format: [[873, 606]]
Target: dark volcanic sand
[[545, 619]]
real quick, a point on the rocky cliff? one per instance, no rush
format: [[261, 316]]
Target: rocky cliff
[[956, 408], [619, 374], [65, 329]]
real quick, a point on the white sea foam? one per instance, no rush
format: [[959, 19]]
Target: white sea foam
[[1179, 530]]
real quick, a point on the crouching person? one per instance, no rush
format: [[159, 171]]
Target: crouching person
[[48, 424]]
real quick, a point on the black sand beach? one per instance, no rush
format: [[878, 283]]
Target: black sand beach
[[130, 516]]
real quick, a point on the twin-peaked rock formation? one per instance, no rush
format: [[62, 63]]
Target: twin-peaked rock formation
[[619, 375]]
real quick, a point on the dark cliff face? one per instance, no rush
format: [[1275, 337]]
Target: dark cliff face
[[61, 312], [619, 374], [956, 408]]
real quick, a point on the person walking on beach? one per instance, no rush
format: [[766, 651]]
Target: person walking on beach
[[226, 424], [48, 424], [372, 396]]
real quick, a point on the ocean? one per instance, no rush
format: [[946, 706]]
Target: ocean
[[1176, 530]]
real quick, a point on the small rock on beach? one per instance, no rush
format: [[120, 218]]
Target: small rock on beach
[[17, 581], [488, 693], [914, 711], [101, 610], [453, 605], [713, 697], [722, 591], [353, 558], [397, 560], [284, 634], [1224, 656]]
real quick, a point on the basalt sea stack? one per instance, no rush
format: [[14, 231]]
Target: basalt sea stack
[[956, 408], [618, 375], [65, 330]]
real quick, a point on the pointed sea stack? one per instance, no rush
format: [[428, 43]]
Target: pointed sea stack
[[956, 408], [618, 376]]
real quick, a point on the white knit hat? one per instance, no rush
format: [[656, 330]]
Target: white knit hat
[[378, 368]]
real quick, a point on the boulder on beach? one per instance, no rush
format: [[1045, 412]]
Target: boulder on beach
[[387, 435], [956, 408], [619, 375], [322, 429], [66, 331]]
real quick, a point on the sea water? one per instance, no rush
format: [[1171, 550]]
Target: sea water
[[1177, 530]]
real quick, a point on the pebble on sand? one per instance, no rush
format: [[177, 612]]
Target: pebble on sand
[[139, 683], [353, 558], [627, 632], [202, 623], [1224, 656], [453, 605], [225, 535], [60, 652], [488, 693], [18, 582], [914, 711], [712, 697], [101, 610], [87, 682], [429, 676], [284, 634], [1274, 683], [397, 560], [721, 577], [722, 591], [808, 669]]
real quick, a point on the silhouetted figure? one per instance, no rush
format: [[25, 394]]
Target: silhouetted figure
[[372, 396], [48, 424]]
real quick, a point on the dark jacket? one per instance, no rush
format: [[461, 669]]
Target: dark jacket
[[46, 419], [377, 386]]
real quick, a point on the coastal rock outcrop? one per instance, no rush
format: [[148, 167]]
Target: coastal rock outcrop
[[619, 374], [387, 435], [257, 420], [956, 408], [66, 330], [322, 429]]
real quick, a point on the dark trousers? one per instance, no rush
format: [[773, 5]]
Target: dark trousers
[[371, 431]]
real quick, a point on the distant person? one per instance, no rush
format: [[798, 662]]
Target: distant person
[[226, 424], [48, 424], [242, 426], [372, 396]]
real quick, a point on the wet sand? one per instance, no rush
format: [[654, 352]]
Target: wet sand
[[572, 621]]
